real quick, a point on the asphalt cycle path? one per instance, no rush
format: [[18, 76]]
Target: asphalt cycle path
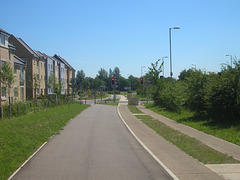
[[94, 145]]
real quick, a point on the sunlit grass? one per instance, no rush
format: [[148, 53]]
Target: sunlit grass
[[109, 103], [21, 136], [227, 132], [133, 109], [189, 145]]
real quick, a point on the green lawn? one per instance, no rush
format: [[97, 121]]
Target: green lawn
[[191, 146], [227, 132], [134, 109], [109, 103], [21, 136]]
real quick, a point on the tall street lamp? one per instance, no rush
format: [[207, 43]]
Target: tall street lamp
[[142, 70], [230, 58], [163, 63], [141, 77], [171, 73]]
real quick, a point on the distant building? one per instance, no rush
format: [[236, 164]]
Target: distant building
[[69, 74]]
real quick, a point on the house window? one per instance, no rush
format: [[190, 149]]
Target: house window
[[3, 62], [15, 69], [2, 37], [22, 79], [3, 92], [15, 92], [37, 63]]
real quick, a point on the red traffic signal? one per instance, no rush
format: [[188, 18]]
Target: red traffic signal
[[113, 81], [141, 80]]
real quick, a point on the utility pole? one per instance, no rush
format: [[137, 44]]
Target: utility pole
[[0, 80]]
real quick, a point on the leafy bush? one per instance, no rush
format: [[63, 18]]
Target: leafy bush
[[170, 94], [223, 98], [214, 95], [196, 90]]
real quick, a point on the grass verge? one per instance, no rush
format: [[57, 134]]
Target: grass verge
[[108, 103], [133, 109], [21, 136], [189, 145], [227, 132]]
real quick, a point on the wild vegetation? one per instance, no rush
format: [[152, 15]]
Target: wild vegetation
[[207, 94]]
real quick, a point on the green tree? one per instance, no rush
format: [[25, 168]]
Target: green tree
[[7, 77], [36, 85], [223, 94], [134, 82], [80, 79], [102, 74], [116, 72], [124, 83], [197, 83], [54, 84], [185, 74], [154, 71]]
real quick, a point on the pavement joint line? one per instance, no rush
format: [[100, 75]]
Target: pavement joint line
[[147, 149], [32, 156]]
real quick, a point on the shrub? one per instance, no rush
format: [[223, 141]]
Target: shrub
[[170, 94], [196, 91], [223, 98]]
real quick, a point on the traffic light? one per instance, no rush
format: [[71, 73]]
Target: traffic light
[[113, 80], [141, 80]]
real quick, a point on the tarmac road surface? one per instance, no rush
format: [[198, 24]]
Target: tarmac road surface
[[95, 145]]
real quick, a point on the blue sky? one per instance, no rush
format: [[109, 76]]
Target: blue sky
[[128, 34]]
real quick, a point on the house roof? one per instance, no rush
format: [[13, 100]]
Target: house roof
[[63, 60], [40, 54], [4, 32], [18, 60], [45, 55], [30, 50]]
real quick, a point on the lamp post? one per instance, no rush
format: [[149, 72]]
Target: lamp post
[[163, 63], [142, 70], [141, 77], [230, 58], [171, 73]]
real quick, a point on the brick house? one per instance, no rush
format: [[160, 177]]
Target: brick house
[[69, 73], [7, 54], [35, 68]]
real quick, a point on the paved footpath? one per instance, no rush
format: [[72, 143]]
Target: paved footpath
[[95, 145], [181, 164], [228, 171], [212, 141]]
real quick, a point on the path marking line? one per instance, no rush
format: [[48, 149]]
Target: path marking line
[[146, 148]]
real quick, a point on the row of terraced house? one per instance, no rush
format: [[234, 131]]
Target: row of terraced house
[[32, 66]]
